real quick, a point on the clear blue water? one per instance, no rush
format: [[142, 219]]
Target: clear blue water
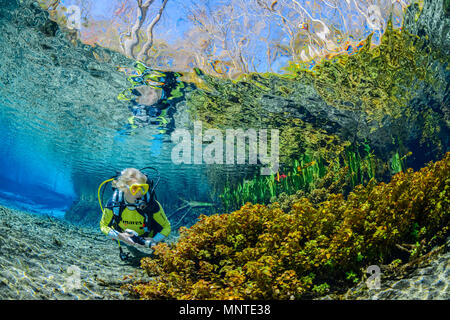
[[44, 171], [61, 128]]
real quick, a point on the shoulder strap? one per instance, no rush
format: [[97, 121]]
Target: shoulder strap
[[118, 202], [147, 212], [117, 206]]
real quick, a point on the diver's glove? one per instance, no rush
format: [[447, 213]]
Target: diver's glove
[[113, 234], [149, 243], [157, 238]]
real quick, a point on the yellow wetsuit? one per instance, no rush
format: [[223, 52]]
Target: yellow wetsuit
[[132, 219]]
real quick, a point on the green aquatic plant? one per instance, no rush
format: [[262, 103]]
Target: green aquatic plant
[[352, 277], [321, 289], [260, 252], [300, 175], [361, 163], [399, 163], [415, 230], [305, 173], [396, 164]]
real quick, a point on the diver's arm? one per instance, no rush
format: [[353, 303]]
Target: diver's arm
[[104, 222], [159, 237], [160, 218], [153, 241]]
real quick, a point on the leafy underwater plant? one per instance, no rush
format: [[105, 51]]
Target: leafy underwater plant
[[259, 252], [399, 163]]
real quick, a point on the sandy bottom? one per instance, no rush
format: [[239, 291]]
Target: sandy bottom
[[46, 258]]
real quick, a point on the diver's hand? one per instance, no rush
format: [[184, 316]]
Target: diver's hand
[[152, 242]]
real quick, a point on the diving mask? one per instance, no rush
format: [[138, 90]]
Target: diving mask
[[135, 187]]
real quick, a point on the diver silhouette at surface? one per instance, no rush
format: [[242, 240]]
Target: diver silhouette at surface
[[153, 96]]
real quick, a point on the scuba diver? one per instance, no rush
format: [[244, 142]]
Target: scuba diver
[[164, 90], [133, 215], [144, 115]]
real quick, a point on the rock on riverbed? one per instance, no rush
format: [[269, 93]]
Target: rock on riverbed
[[426, 279]]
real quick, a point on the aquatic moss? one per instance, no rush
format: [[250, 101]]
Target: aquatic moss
[[259, 252]]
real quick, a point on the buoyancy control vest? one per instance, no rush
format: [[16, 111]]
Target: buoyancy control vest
[[117, 205]]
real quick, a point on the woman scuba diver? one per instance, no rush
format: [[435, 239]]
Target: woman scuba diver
[[133, 215]]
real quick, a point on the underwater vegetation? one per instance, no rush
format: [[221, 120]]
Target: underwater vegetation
[[399, 90], [394, 95], [263, 189], [269, 101], [381, 80], [315, 178], [262, 252]]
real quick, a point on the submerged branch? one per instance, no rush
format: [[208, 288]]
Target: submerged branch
[[191, 205]]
